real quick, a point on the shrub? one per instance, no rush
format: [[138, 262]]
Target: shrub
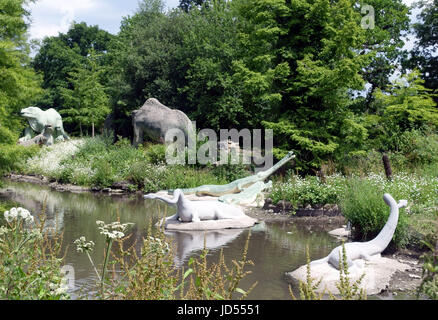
[[13, 157], [155, 153], [31, 263], [362, 204], [104, 176], [310, 191]]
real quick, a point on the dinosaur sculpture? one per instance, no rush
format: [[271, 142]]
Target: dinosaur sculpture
[[365, 250], [155, 119], [195, 211], [237, 185], [39, 119], [248, 195], [45, 138]]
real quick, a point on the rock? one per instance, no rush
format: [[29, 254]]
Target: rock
[[122, 185], [378, 273], [340, 232], [106, 190], [240, 223]]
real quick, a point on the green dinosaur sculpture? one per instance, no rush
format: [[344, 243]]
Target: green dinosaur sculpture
[[248, 195], [39, 119], [237, 185]]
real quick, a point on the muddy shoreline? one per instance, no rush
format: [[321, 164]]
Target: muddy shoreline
[[323, 218]]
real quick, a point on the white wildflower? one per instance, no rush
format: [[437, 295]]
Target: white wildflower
[[82, 245]]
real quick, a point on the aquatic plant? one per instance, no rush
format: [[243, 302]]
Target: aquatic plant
[[152, 275]]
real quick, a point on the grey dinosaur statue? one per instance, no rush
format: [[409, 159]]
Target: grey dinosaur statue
[[237, 185], [365, 250], [154, 119], [195, 211], [44, 138], [39, 119], [248, 195]]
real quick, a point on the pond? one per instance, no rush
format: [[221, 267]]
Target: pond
[[275, 247]]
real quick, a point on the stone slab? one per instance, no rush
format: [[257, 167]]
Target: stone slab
[[239, 223], [378, 273]]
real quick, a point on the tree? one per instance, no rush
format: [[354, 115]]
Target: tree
[[408, 105], [383, 42], [86, 103], [146, 62], [18, 83], [320, 45], [423, 54], [60, 55]]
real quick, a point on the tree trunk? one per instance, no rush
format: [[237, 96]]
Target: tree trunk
[[80, 128], [92, 129]]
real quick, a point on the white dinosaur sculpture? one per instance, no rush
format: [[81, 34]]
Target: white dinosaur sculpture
[[365, 250], [195, 211]]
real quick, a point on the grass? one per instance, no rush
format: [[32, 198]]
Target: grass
[[100, 163], [360, 200]]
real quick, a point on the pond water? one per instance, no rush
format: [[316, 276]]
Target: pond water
[[275, 247]]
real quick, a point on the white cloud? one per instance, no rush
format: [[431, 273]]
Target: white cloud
[[49, 17]]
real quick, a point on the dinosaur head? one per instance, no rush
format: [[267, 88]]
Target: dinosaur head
[[32, 114]]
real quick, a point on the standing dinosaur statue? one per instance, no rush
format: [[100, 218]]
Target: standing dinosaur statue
[[237, 185], [365, 250]]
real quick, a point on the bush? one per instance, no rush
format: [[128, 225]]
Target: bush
[[31, 263], [155, 153], [310, 191], [104, 174], [362, 204], [13, 157]]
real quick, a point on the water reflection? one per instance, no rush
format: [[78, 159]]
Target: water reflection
[[275, 248]]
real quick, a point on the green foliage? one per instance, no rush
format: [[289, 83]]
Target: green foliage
[[86, 103], [65, 62], [407, 105], [31, 263], [13, 157], [410, 151], [19, 85], [363, 206], [423, 54], [429, 284], [152, 275], [309, 191], [155, 153]]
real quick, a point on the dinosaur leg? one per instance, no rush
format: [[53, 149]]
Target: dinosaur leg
[[27, 135], [171, 218], [365, 256], [195, 217]]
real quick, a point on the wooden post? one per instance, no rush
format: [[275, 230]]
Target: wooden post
[[387, 166]]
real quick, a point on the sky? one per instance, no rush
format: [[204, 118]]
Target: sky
[[49, 17]]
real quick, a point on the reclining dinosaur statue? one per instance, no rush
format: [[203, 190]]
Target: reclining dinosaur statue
[[195, 211], [237, 185], [39, 119], [248, 195], [365, 250]]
